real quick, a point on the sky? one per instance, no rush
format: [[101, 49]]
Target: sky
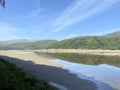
[[58, 19]]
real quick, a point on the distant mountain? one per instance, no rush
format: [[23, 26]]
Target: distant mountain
[[109, 41], [14, 41], [22, 44]]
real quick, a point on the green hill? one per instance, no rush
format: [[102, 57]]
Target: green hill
[[24, 44], [109, 41]]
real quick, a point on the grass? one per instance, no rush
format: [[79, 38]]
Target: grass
[[14, 78]]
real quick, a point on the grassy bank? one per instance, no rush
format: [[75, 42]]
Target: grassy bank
[[13, 78]]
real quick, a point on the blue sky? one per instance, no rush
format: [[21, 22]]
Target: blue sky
[[58, 19]]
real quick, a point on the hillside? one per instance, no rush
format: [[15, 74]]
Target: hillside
[[109, 41], [24, 44]]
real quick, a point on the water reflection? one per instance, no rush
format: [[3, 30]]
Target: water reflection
[[103, 70], [104, 76], [84, 58]]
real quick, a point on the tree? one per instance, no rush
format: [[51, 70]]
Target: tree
[[2, 2]]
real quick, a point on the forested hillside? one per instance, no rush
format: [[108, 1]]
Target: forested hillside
[[109, 41]]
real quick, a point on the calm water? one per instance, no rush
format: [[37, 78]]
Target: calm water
[[102, 70]]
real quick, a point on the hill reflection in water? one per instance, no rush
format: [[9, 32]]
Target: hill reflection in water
[[103, 70], [84, 58]]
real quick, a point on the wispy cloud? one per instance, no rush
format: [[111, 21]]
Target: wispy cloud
[[80, 10], [7, 31], [38, 4], [39, 10]]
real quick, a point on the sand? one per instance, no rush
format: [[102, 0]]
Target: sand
[[84, 51], [42, 68], [28, 56]]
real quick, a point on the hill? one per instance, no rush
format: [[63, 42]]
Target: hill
[[24, 44], [109, 41]]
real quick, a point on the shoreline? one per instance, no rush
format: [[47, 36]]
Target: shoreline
[[83, 51], [46, 70], [28, 56]]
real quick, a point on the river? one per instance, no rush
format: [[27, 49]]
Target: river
[[102, 70]]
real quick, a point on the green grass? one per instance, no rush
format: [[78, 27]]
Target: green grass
[[14, 78]]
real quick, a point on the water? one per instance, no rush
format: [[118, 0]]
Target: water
[[99, 74], [102, 70], [60, 87]]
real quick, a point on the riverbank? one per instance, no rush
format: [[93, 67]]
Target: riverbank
[[14, 78], [46, 70], [82, 51], [27, 56]]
